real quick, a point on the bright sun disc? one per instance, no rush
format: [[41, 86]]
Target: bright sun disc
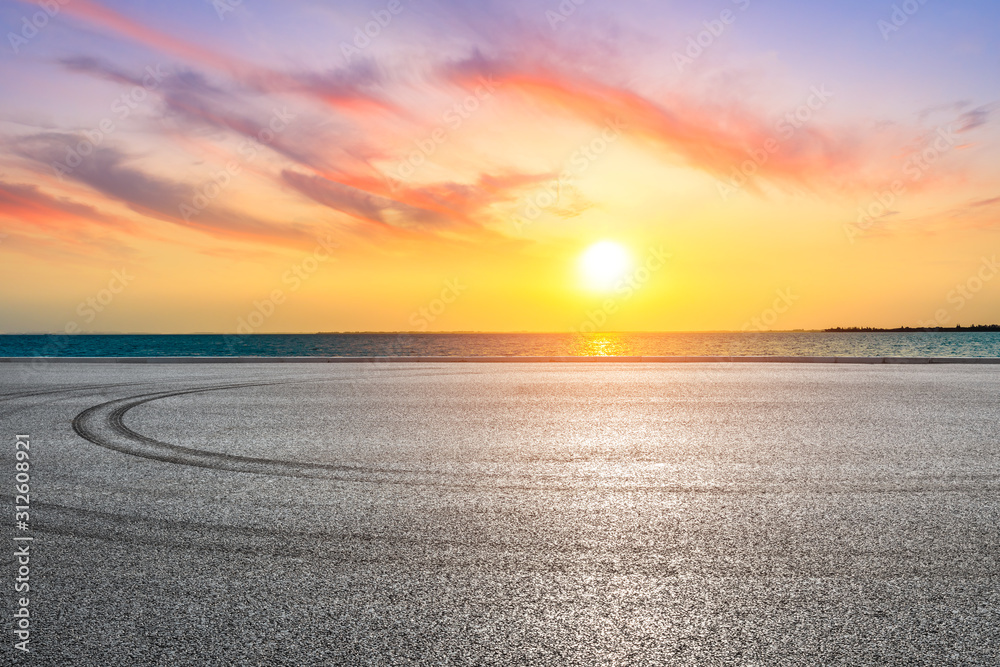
[[604, 264]]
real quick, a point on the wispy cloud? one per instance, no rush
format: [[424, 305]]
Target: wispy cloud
[[25, 202], [348, 90], [70, 229], [107, 171], [708, 136], [975, 118]]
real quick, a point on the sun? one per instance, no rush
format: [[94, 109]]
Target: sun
[[603, 264]]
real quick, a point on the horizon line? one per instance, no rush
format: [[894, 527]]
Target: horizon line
[[852, 329]]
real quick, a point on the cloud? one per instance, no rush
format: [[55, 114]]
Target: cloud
[[59, 226], [191, 102], [189, 97], [27, 203], [349, 89], [339, 197], [338, 165], [107, 171], [356, 85], [966, 120], [104, 170], [952, 107], [714, 138], [105, 70], [973, 119], [97, 14], [455, 208], [406, 210]]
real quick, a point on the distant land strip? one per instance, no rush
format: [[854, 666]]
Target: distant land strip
[[970, 329]]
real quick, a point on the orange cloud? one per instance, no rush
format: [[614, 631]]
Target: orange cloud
[[442, 209], [711, 138], [31, 207]]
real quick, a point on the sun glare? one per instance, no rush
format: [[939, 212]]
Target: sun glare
[[603, 264]]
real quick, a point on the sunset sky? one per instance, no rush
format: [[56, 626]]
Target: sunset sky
[[387, 165]]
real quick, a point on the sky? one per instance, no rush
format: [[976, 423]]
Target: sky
[[244, 166]]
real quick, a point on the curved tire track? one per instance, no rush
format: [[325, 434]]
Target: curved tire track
[[66, 389], [199, 536], [103, 425]]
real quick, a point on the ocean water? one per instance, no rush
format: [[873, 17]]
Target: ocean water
[[917, 344]]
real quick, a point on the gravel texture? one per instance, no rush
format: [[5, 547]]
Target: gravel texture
[[582, 514]]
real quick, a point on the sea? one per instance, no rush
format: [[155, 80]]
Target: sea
[[804, 344]]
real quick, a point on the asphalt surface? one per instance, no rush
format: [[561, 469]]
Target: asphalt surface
[[272, 514]]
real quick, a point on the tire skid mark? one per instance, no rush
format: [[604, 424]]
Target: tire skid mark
[[55, 395], [334, 547], [103, 425], [67, 389], [82, 523]]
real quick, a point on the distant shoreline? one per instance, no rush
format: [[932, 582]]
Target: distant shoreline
[[977, 328]]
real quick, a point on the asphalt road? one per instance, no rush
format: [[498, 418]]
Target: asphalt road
[[309, 514]]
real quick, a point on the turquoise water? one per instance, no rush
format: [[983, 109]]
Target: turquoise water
[[927, 344]]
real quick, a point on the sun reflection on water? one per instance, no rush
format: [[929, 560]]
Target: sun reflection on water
[[601, 345]]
